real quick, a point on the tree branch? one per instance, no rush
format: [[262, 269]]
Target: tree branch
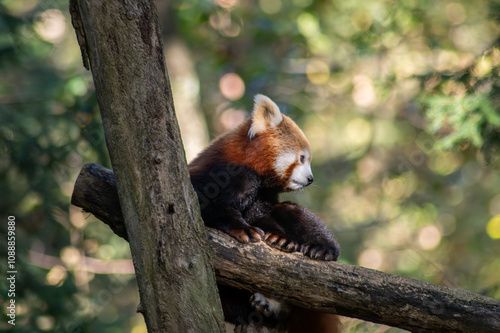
[[331, 287]]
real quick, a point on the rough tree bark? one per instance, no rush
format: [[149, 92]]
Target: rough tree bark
[[120, 40], [332, 287]]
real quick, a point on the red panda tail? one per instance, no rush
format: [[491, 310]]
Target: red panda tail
[[308, 321]]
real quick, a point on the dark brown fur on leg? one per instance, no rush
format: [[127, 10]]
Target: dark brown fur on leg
[[307, 321]]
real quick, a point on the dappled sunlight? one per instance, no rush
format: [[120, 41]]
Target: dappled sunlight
[[56, 275], [232, 86], [493, 227], [51, 25], [270, 6], [231, 118], [429, 237], [399, 101], [371, 258], [363, 93], [19, 8], [317, 72]]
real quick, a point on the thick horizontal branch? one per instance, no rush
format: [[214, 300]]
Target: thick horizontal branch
[[331, 287]]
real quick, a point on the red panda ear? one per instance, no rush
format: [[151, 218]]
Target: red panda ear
[[265, 114]]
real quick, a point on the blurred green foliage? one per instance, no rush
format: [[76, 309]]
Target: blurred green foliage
[[398, 99], [462, 107]]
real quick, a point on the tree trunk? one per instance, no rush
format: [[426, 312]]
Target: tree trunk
[[121, 42], [332, 287]]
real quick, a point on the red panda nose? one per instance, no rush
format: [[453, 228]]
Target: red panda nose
[[310, 180]]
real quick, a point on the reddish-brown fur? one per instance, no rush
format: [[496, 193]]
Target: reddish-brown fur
[[259, 153]]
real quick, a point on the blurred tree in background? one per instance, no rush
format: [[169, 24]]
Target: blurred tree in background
[[398, 99]]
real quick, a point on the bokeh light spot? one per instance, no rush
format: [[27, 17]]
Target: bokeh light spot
[[317, 72], [51, 25], [445, 163], [45, 323], [363, 93], [76, 217], [56, 275], [358, 131], [456, 13], [70, 255], [371, 258], [105, 252], [227, 3], [226, 24], [395, 187], [368, 167], [19, 8], [270, 6], [361, 19], [232, 118], [482, 67], [493, 227], [429, 237], [232, 86], [139, 329], [77, 86], [308, 25]]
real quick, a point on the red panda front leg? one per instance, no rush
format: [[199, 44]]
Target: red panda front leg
[[308, 230], [275, 235], [246, 234], [230, 221]]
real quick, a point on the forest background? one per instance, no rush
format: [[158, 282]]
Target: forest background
[[398, 99]]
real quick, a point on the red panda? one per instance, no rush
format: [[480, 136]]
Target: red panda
[[238, 179]]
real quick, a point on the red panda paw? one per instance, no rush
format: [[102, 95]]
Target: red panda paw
[[280, 242], [319, 252], [260, 303], [247, 235]]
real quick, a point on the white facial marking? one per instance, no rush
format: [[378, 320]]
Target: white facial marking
[[284, 161], [301, 173], [300, 176]]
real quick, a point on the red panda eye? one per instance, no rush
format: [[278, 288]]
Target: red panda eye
[[302, 159]]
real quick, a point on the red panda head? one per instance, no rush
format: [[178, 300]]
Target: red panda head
[[277, 147], [269, 143]]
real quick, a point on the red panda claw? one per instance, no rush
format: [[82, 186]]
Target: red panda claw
[[245, 235], [282, 241], [291, 247], [320, 254], [260, 231], [255, 236], [243, 239], [271, 238]]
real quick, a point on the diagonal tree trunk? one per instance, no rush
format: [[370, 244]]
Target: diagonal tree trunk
[[120, 40]]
